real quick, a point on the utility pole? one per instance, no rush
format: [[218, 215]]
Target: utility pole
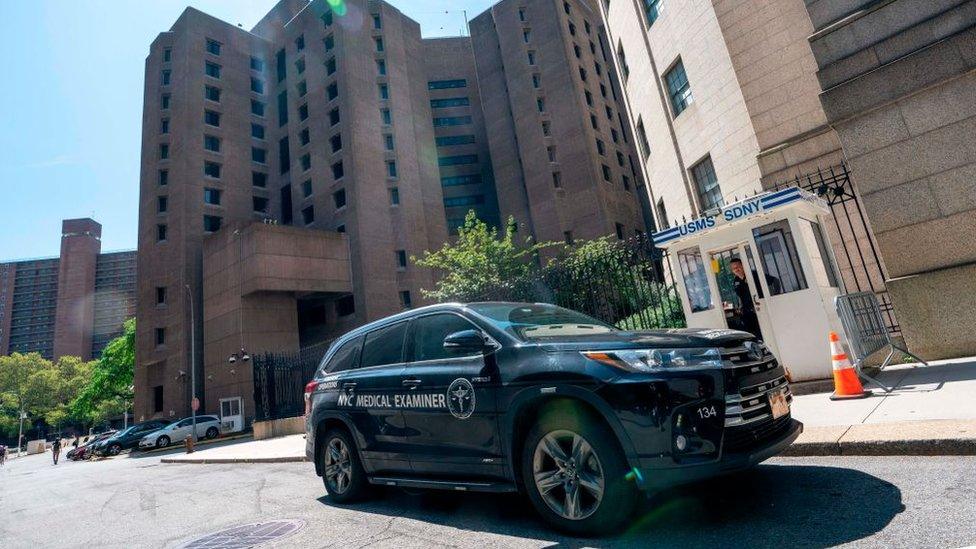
[[193, 370], [20, 436]]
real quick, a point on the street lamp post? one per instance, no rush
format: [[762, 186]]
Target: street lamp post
[[193, 370]]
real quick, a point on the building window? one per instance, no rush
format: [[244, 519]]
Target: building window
[[282, 108], [332, 91], [652, 9], [609, 112], [531, 56], [470, 200], [603, 91], [302, 88], [160, 337], [536, 81], [405, 299], [401, 259], [163, 177], [165, 78], [394, 196], [160, 233], [259, 204], [541, 104], [281, 65], [470, 179], [211, 143], [586, 26], [257, 108], [706, 182], [568, 237], [213, 70], [308, 214], [300, 65], [546, 129], [336, 142], [303, 112], [303, 137], [384, 92], [526, 35], [388, 119], [257, 131], [259, 155], [388, 142], [164, 101], [557, 180], [614, 135], [626, 181], [257, 85], [167, 55], [327, 19], [211, 118], [211, 169], [606, 172], [334, 116], [577, 52], [662, 215], [588, 96], [211, 223], [259, 179], [284, 155], [161, 204], [164, 126], [449, 140], [213, 46], [391, 168], [582, 73], [457, 160], [337, 171], [678, 88], [306, 162], [446, 84], [212, 93], [339, 198], [257, 64], [521, 14], [600, 148], [381, 67], [160, 295], [620, 230], [300, 43], [329, 42], [645, 147], [620, 159], [211, 196], [623, 59], [377, 22], [379, 43], [163, 151], [306, 188]]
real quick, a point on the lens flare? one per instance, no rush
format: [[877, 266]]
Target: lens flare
[[338, 6]]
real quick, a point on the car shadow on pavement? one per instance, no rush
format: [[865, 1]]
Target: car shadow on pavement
[[769, 506]]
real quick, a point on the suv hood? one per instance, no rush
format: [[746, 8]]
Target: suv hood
[[674, 338]]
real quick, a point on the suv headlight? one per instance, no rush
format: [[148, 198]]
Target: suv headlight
[[656, 360]]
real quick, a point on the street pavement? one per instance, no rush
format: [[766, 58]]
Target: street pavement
[[796, 502]]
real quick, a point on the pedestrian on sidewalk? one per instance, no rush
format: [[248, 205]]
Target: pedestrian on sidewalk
[[56, 450], [3, 454]]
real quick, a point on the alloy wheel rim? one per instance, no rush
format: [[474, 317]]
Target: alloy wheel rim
[[338, 466], [568, 475]]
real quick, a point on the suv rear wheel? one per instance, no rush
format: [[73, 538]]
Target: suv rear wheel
[[115, 449], [212, 432], [342, 472], [574, 474], [162, 441]]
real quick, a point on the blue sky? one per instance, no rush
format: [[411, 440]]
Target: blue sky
[[71, 91]]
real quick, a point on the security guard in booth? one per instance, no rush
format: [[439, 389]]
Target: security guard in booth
[[746, 314]]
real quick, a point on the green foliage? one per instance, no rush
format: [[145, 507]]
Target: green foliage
[[108, 389], [479, 260]]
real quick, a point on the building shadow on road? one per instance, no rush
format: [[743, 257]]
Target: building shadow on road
[[769, 506]]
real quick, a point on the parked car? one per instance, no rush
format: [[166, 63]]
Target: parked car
[[126, 439], [207, 427], [85, 450], [574, 413]]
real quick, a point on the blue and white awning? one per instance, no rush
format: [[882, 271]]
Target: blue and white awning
[[734, 212]]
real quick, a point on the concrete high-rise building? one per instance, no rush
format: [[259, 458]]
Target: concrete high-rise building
[[289, 172], [71, 305], [560, 141]]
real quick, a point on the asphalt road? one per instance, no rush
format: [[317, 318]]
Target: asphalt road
[[788, 502]]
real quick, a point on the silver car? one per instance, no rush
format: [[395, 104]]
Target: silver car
[[207, 427]]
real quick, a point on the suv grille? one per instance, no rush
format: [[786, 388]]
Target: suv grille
[[746, 437], [749, 380]]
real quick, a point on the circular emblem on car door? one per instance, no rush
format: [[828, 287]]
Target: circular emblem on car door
[[460, 398]]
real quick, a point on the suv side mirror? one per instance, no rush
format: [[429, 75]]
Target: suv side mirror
[[466, 340]]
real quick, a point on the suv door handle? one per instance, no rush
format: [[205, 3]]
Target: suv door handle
[[412, 383]]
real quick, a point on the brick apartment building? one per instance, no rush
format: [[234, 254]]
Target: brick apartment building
[[73, 304], [290, 171]]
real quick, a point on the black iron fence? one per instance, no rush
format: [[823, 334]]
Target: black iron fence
[[280, 378]]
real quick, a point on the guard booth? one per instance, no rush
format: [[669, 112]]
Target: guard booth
[[776, 242]]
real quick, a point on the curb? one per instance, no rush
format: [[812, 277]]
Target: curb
[[211, 461], [919, 447], [177, 446]]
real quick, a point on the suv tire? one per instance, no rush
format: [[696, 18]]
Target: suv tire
[[115, 449], [212, 433], [162, 441], [574, 471], [342, 471]]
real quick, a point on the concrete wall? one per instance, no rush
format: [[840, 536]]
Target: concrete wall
[[900, 90]]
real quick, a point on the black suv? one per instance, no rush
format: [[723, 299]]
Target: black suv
[[573, 412], [126, 439]]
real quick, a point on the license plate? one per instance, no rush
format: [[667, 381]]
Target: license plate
[[778, 404]]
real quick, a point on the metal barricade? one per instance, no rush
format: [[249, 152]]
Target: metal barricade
[[864, 323]]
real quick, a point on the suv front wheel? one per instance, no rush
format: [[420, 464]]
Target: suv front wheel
[[342, 472], [575, 474]]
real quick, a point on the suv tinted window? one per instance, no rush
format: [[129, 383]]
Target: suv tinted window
[[384, 346], [346, 357], [429, 333]]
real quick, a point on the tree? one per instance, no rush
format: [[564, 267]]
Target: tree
[[27, 384], [480, 260], [108, 390]]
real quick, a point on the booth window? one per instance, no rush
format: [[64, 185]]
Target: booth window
[[695, 279], [777, 252], [823, 266]]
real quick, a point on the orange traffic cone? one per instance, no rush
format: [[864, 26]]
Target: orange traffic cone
[[846, 383]]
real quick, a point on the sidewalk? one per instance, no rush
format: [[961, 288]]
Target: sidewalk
[[273, 450], [931, 411]]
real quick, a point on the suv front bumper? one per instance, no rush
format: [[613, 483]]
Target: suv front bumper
[[656, 477]]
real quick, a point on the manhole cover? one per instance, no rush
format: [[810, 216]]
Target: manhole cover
[[248, 535]]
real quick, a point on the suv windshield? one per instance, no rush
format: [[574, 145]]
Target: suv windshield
[[538, 320]]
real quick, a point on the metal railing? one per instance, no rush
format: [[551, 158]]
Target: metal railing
[[280, 378]]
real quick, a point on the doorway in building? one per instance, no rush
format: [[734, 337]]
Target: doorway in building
[[231, 415], [738, 280]]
